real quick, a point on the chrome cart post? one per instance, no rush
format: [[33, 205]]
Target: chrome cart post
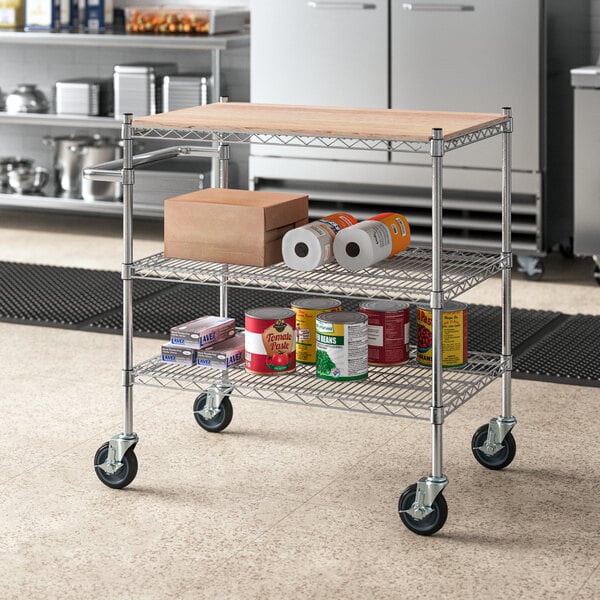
[[493, 444], [115, 461], [422, 507], [213, 410], [126, 274]]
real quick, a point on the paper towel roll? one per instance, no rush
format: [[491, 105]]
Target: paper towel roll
[[371, 241], [308, 247]]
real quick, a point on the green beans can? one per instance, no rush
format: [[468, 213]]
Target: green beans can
[[342, 345]]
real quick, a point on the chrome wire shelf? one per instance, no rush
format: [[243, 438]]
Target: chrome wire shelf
[[315, 141], [402, 391], [406, 276]]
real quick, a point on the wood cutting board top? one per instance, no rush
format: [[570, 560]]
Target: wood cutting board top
[[314, 121]]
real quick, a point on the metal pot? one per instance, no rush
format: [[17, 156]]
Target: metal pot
[[67, 163], [27, 179], [101, 150], [11, 162], [26, 98]]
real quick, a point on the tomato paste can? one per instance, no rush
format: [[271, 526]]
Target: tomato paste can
[[270, 340], [306, 310], [389, 331], [454, 334], [342, 346]]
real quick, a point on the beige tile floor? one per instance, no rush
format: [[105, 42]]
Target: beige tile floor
[[289, 502]]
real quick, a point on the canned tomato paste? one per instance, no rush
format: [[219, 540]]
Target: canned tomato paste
[[270, 340], [342, 346], [306, 310], [454, 334], [389, 331]]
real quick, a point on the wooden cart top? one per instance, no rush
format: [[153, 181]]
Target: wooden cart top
[[316, 121]]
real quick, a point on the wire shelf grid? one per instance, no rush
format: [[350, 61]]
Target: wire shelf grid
[[401, 391], [388, 145], [406, 276]]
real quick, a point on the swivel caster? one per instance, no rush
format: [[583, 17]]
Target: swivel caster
[[213, 420], [112, 473], [496, 455], [430, 520]]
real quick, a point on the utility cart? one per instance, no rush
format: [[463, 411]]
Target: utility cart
[[429, 275]]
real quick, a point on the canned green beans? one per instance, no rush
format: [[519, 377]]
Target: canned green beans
[[342, 345]]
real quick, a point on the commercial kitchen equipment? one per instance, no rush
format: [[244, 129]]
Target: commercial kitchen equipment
[[184, 90], [84, 96], [586, 164], [138, 87], [443, 55]]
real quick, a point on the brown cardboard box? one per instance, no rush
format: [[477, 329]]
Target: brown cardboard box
[[231, 226]]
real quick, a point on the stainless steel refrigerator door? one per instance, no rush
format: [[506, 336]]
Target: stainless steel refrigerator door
[[471, 56], [320, 52], [586, 234]]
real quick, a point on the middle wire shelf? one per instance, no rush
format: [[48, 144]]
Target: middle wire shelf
[[400, 391], [406, 276]]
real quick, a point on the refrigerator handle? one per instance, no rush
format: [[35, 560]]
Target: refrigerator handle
[[342, 5], [437, 7]]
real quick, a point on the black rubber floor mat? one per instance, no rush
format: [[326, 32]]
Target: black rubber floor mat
[[547, 346], [62, 296], [569, 353]]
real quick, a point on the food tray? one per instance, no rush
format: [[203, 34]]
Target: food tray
[[184, 21]]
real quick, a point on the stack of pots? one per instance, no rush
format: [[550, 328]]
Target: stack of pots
[[74, 153]]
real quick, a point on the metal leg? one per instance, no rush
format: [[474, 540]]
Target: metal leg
[[423, 499], [499, 427], [128, 181], [215, 64], [115, 463]]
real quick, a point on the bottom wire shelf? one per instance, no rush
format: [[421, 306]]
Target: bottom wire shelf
[[401, 391]]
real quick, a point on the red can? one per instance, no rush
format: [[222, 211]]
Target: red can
[[270, 340], [389, 331]]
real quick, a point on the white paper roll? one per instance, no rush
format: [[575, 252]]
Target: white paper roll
[[362, 245], [308, 247]]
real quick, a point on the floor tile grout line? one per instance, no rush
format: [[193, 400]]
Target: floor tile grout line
[[70, 448], [307, 500], [585, 582]]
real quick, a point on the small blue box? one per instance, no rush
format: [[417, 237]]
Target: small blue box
[[98, 15]]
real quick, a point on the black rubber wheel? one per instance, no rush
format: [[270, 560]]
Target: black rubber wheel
[[501, 459], [124, 476], [432, 522], [220, 421], [596, 274]]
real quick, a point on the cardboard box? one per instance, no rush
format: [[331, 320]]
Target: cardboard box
[[179, 355], [224, 355], [231, 226], [203, 332]]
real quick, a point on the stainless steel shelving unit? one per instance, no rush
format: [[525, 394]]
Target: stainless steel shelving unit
[[216, 45], [432, 275]]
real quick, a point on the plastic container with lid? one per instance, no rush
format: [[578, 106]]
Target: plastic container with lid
[[184, 21]]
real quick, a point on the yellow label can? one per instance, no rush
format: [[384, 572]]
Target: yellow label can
[[454, 334], [306, 310]]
